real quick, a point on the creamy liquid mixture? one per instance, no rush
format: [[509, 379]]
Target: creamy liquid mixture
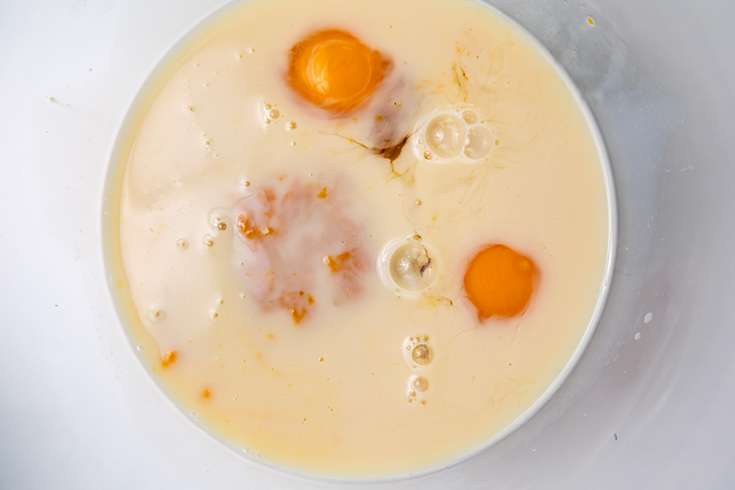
[[251, 234]]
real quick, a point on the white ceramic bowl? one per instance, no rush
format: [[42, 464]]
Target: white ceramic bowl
[[648, 406]]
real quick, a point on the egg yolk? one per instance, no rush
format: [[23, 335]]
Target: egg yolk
[[499, 281], [333, 70]]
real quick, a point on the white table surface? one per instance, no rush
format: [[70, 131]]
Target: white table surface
[[78, 411]]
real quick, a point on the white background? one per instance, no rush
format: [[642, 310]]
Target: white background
[[649, 406]]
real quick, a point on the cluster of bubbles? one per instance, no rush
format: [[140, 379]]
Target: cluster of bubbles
[[219, 223], [454, 134], [407, 265], [418, 354], [270, 114]]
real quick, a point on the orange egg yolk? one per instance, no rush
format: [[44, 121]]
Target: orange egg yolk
[[333, 70], [499, 282]]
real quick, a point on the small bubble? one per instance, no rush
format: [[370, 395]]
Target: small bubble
[[274, 114], [139, 348], [423, 402], [290, 126], [217, 222], [444, 135], [207, 241], [470, 117], [420, 384], [181, 243], [637, 336], [647, 319], [156, 315], [418, 202], [291, 143], [427, 155], [478, 142], [411, 267], [422, 354]]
